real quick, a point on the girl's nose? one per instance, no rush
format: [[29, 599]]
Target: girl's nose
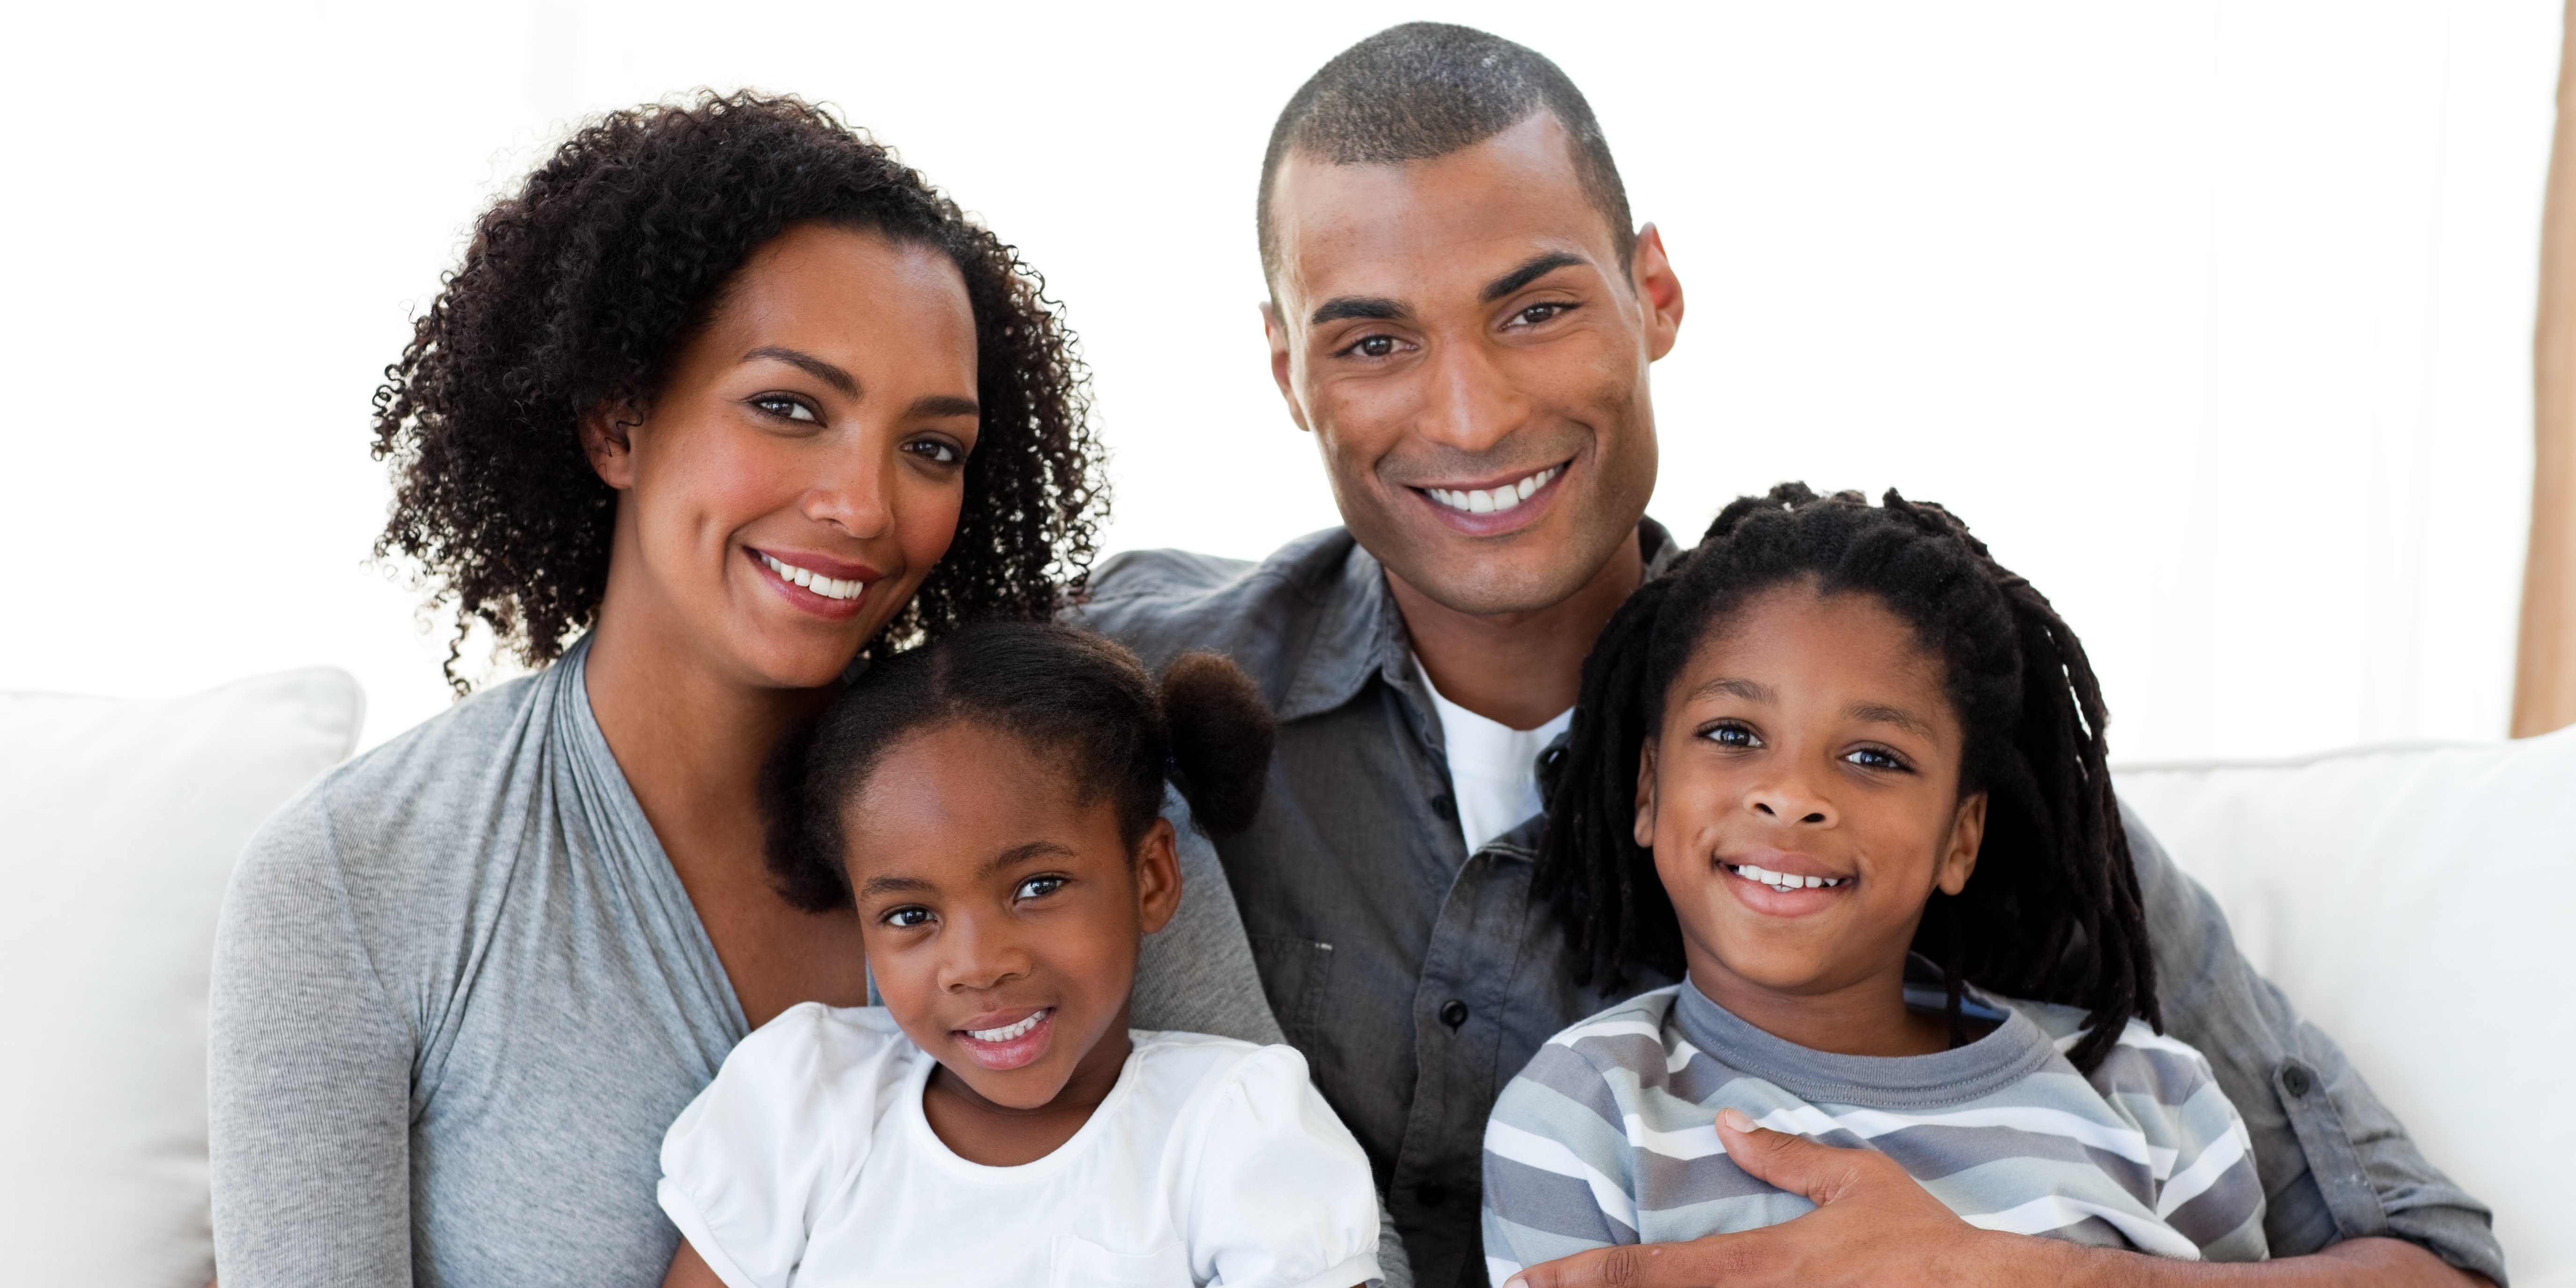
[[976, 962]]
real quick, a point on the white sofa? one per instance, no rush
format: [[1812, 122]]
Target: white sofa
[[2410, 899]]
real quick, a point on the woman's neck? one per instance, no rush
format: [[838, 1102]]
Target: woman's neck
[[1865, 1016], [689, 739]]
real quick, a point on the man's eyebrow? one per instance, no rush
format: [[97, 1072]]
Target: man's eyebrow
[[1356, 306], [933, 406], [1881, 713], [810, 365], [1022, 853], [1734, 688], [1536, 267]]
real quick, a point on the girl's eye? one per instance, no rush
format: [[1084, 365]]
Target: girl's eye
[[934, 450], [907, 917], [1038, 887], [1875, 758], [1733, 735], [786, 408]]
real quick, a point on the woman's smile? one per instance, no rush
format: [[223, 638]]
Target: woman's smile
[[826, 587]]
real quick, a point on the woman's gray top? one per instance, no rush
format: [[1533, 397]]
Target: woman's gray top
[[459, 993]]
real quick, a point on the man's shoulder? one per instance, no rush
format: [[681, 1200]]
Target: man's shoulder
[[1163, 603]]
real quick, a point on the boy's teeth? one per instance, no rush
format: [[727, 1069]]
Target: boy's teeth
[[1782, 881], [1484, 501], [1008, 1031], [827, 587]]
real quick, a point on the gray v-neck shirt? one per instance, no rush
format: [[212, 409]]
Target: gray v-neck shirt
[[459, 994]]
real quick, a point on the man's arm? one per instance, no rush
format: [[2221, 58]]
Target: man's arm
[[1874, 1225]]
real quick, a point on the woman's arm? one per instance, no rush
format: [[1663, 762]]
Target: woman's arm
[[1874, 1225], [308, 1078]]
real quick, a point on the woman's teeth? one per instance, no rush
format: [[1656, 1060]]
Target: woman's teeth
[[827, 587], [1481, 501], [1782, 881], [1010, 1031]]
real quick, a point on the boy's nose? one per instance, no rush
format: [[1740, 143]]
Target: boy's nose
[[1787, 804]]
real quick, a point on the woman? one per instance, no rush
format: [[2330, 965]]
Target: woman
[[722, 400]]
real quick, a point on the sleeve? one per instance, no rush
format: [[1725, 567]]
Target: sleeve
[[1279, 1195], [1197, 975], [2208, 1191], [1557, 1176], [748, 1162], [308, 1081], [2334, 1163]]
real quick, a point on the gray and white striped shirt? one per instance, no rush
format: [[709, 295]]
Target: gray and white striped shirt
[[1609, 1135]]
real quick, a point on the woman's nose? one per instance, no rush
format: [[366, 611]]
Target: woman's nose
[[857, 499]]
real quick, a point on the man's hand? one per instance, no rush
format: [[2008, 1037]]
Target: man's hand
[[1873, 1224]]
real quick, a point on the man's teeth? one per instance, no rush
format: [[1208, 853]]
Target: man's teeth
[[827, 587], [1481, 501], [1008, 1031], [1782, 881]]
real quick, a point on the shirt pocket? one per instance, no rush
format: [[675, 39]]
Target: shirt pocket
[[1295, 972], [1076, 1262]]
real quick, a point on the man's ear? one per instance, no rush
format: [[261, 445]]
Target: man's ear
[[1650, 275], [1645, 825], [1967, 833], [1275, 329], [1158, 876], [606, 439]]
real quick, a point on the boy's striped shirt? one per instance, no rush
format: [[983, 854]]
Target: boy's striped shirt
[[1609, 1136]]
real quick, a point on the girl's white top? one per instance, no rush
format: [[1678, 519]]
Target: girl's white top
[[808, 1161]]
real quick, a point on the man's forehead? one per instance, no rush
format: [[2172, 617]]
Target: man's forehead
[[1451, 223]]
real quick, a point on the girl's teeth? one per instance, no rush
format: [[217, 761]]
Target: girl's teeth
[[1009, 1031], [1482, 501]]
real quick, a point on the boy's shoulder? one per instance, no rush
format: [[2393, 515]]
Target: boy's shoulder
[[1637, 1027], [2142, 1062]]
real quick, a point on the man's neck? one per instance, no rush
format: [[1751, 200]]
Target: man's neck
[[1520, 669]]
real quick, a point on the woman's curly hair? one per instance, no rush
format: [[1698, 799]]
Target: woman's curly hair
[[578, 292]]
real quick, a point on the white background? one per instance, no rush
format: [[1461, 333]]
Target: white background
[[2213, 317]]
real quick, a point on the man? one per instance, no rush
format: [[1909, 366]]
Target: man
[[1463, 319]]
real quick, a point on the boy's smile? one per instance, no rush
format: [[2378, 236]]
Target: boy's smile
[[1802, 801]]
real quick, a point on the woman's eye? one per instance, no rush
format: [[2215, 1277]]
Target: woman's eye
[[907, 918], [1038, 887], [1875, 758], [933, 450], [786, 408], [1733, 735]]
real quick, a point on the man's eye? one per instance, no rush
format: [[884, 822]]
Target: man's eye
[[908, 917], [1537, 313], [1875, 758], [932, 449], [1038, 887], [786, 408], [1375, 346], [1733, 735]]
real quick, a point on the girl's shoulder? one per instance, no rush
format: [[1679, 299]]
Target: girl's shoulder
[[842, 1049], [1176, 1069]]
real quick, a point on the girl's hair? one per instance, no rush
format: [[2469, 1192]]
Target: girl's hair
[[1083, 701], [579, 290], [2052, 911]]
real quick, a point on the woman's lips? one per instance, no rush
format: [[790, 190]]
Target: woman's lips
[[1007, 1041], [827, 588]]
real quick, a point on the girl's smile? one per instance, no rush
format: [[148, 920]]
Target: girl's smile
[[1001, 1044]]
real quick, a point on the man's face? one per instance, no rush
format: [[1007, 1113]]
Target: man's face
[[1459, 337]]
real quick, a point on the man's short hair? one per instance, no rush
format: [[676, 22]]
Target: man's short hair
[[1425, 90]]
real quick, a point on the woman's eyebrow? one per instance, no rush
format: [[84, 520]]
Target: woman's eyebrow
[[934, 406], [826, 372]]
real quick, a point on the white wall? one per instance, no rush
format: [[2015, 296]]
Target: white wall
[[2213, 317]]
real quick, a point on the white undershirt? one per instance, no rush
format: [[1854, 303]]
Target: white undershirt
[[1493, 767]]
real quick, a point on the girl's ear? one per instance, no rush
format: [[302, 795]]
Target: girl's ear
[[1158, 876], [1645, 825], [1967, 833]]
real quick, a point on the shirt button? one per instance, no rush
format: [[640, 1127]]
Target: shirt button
[[1446, 808], [2296, 1079], [1453, 1012], [1431, 1193]]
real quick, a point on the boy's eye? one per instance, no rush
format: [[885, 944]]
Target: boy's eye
[[1733, 735], [1875, 758], [1038, 887], [905, 918]]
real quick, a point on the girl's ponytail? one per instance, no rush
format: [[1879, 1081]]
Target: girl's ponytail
[[1221, 737]]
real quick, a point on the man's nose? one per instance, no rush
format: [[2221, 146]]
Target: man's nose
[[1472, 404]]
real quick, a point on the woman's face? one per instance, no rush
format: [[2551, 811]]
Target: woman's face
[[803, 465]]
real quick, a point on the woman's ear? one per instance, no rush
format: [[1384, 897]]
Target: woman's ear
[[1967, 833], [1158, 876], [605, 439], [1645, 825]]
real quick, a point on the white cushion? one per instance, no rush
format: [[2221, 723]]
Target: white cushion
[[2416, 903], [119, 824]]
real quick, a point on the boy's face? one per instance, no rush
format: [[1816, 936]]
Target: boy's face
[[1811, 739], [1001, 915]]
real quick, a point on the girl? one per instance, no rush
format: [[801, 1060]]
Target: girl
[[1847, 773], [990, 806]]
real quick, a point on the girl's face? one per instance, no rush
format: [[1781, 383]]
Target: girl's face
[[802, 468], [1802, 797], [1001, 914]]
